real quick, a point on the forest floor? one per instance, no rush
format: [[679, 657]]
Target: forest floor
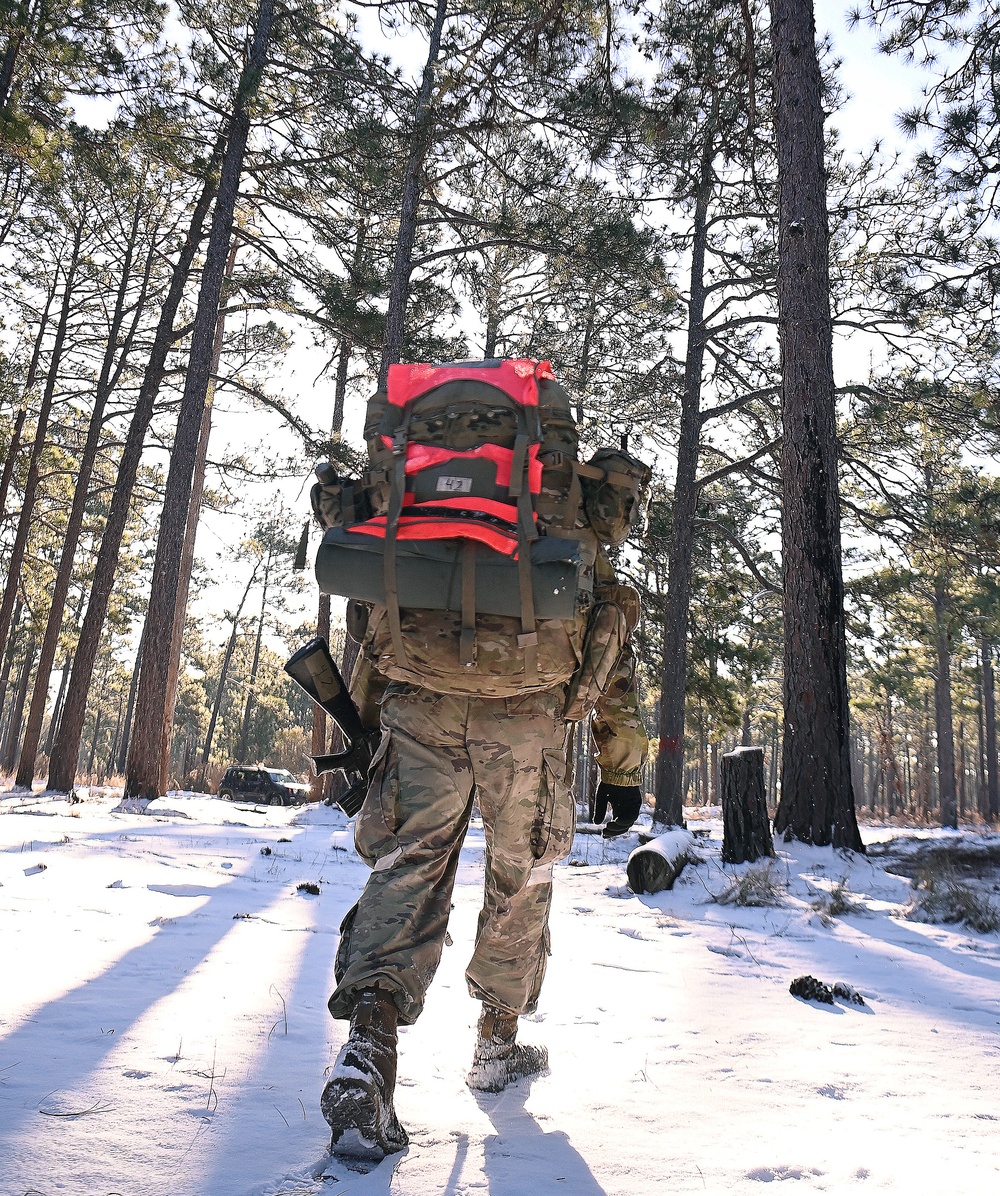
[[163, 1023]]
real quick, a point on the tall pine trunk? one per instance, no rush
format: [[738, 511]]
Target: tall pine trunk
[[129, 711], [66, 750], [241, 749], [669, 775], [420, 140], [990, 729], [193, 519], [12, 735], [13, 448], [111, 370], [943, 725], [38, 445], [817, 795], [57, 708], [150, 735], [8, 660]]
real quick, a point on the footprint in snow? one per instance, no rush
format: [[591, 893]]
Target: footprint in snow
[[770, 1174]]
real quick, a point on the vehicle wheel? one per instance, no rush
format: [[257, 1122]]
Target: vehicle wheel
[[226, 794]]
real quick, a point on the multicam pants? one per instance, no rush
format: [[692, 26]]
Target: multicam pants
[[436, 751]]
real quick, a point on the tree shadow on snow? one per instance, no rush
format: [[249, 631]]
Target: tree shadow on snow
[[521, 1148], [71, 1036]]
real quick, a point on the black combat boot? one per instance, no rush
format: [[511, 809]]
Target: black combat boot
[[499, 1059], [357, 1100]]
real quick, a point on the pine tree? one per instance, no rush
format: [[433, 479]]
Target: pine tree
[[817, 799]]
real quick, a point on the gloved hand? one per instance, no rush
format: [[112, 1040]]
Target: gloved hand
[[625, 801]]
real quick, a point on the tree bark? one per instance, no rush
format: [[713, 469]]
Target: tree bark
[[346, 348], [110, 373], [420, 139], [8, 466], [13, 733], [669, 777], [129, 710], [147, 752], [817, 796], [57, 708], [38, 445], [66, 750], [193, 519], [943, 725], [990, 730], [8, 661]]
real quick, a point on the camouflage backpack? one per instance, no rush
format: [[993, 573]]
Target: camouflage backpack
[[469, 533]]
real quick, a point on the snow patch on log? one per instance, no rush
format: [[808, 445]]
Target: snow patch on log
[[656, 865]]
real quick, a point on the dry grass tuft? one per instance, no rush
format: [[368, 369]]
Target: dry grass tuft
[[836, 903], [942, 898], [759, 885]]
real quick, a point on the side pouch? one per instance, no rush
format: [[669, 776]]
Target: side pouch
[[375, 827], [609, 624], [617, 500], [342, 502], [343, 957]]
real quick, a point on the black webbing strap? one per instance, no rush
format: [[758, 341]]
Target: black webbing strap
[[575, 495], [396, 496], [467, 650], [519, 464], [573, 500], [520, 488], [527, 641]]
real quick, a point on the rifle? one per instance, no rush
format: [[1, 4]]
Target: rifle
[[314, 670]]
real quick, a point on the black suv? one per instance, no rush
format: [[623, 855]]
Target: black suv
[[268, 786]]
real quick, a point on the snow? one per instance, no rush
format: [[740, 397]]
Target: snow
[[163, 1029]]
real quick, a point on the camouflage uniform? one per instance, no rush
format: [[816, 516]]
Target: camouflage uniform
[[437, 752]]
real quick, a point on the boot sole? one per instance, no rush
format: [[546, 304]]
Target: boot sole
[[361, 1127]]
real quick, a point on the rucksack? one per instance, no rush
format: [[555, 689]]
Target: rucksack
[[468, 534]]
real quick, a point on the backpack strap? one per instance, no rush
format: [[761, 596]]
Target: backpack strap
[[527, 531], [396, 496], [467, 649]]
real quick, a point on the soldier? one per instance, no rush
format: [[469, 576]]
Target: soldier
[[440, 752]]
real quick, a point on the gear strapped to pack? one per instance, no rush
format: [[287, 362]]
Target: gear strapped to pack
[[439, 493]]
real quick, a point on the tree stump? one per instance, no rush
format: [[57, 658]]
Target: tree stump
[[657, 864], [746, 833]]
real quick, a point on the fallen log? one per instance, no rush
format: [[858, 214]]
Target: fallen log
[[655, 865]]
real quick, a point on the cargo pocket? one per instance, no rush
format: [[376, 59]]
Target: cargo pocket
[[375, 826], [555, 815]]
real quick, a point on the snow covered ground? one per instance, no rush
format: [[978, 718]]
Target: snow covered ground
[[163, 1029]]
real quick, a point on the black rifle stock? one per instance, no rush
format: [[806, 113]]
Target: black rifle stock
[[315, 671]]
